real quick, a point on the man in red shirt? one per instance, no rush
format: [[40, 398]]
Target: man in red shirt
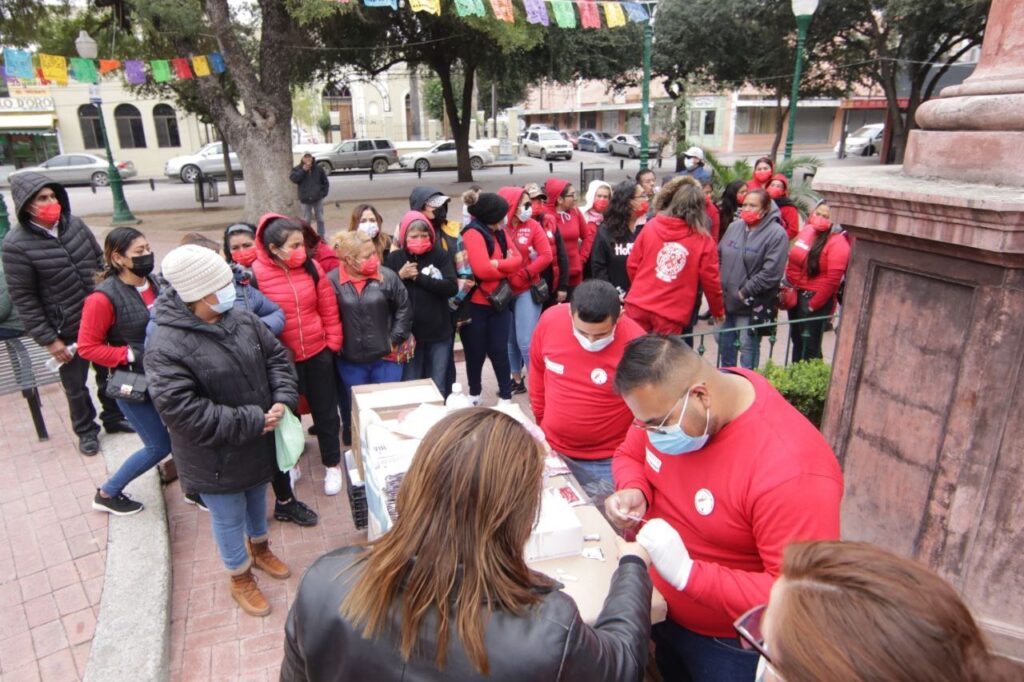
[[721, 459], [573, 355]]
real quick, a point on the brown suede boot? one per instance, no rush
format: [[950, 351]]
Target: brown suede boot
[[247, 593], [266, 561]]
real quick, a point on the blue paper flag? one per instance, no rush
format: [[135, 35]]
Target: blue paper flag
[[216, 60], [636, 11], [393, 4], [18, 64]]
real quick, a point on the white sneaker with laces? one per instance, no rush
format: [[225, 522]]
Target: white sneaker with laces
[[504, 401], [332, 482]]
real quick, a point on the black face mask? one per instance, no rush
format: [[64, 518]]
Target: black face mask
[[142, 265], [440, 216]]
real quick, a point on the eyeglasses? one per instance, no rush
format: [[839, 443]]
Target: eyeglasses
[[660, 428], [748, 626]]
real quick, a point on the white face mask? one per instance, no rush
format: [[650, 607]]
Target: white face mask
[[525, 213], [690, 163], [369, 227], [593, 346]]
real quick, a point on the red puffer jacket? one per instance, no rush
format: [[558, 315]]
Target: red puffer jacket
[[311, 321], [525, 236]]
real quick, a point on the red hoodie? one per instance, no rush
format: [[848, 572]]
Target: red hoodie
[[488, 276], [525, 236], [716, 218], [831, 267], [577, 238], [311, 321], [667, 261], [788, 212], [316, 246]]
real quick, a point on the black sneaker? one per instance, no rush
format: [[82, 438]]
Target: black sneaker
[[122, 505], [120, 426], [518, 387], [89, 444], [296, 512], [311, 430], [194, 498]]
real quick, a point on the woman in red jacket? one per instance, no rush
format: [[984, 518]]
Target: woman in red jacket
[[318, 249], [674, 252], [493, 261], [764, 169], [571, 224], [817, 263], [529, 239], [778, 190], [312, 328]]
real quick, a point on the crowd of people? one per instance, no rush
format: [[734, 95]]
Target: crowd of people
[[730, 497]]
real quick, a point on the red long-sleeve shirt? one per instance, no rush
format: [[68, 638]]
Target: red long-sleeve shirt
[[524, 236], [831, 267], [765, 480], [97, 319], [572, 390], [667, 261], [488, 276], [790, 220]]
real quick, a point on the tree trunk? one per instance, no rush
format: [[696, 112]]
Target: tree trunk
[[226, 149], [898, 134], [782, 116], [414, 103], [459, 121]]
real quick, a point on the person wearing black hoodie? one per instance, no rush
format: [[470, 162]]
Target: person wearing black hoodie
[[50, 259], [429, 276]]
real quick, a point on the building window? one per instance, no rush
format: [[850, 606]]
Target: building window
[[89, 120], [756, 121], [130, 134], [694, 122], [166, 126], [709, 122]]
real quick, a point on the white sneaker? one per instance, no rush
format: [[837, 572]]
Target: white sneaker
[[504, 401], [332, 483], [294, 474], [474, 400]]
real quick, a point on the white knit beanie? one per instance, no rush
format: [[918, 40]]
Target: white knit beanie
[[195, 271]]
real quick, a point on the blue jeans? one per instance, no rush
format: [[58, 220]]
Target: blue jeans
[[594, 476], [234, 517], [156, 444], [525, 315], [750, 343], [315, 209], [486, 336], [431, 362], [684, 656], [356, 374]]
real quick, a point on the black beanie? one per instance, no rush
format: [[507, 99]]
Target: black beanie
[[489, 208]]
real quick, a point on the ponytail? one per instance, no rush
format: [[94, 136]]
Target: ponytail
[[814, 255]]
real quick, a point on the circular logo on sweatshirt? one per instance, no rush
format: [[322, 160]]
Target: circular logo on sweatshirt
[[671, 261], [599, 376], [704, 501]]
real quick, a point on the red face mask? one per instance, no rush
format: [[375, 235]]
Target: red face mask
[[776, 192], [818, 223], [751, 218], [418, 245], [49, 213], [369, 267], [762, 176], [245, 257], [297, 257], [600, 205], [642, 208], [538, 207]]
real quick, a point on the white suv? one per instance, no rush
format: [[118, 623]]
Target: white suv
[[546, 144]]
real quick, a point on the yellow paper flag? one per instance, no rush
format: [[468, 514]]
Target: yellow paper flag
[[430, 6], [55, 68], [201, 66], [613, 14]]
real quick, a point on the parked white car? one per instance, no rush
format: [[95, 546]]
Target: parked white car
[[865, 141], [546, 144], [79, 169], [443, 156], [209, 160]]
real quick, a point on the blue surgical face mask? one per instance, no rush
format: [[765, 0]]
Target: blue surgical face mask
[[525, 213], [225, 299], [672, 440]]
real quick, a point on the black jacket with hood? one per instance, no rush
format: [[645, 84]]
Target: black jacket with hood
[[313, 184], [48, 279], [212, 385]]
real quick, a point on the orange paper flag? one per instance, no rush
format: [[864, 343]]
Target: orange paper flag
[[108, 65]]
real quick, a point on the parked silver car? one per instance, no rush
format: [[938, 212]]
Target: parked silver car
[[593, 141], [443, 156], [79, 169], [865, 141], [377, 154], [629, 145], [209, 160], [546, 144]]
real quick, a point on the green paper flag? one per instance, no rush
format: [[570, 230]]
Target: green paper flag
[[161, 70], [565, 17], [84, 70]]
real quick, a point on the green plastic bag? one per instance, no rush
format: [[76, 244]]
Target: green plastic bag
[[290, 440]]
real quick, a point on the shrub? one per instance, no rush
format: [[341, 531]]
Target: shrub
[[803, 384]]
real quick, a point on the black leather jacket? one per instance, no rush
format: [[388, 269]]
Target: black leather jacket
[[374, 321], [548, 642]]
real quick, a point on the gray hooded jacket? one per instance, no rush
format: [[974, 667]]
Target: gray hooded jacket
[[752, 260]]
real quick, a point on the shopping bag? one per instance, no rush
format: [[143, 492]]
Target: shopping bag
[[290, 440]]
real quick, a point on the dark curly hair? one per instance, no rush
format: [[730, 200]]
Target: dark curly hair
[[619, 214]]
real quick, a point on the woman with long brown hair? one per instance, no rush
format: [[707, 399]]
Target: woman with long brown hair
[[447, 594], [368, 220], [853, 612]]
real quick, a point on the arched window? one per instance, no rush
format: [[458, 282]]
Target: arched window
[[166, 126], [130, 134], [89, 120]]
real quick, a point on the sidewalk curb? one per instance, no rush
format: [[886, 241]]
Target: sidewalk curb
[[132, 639]]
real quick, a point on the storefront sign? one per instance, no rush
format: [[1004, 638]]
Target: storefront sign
[[21, 104]]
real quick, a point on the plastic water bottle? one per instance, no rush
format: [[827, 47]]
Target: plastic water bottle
[[52, 363], [457, 400]]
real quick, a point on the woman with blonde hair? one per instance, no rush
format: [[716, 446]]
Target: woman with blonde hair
[[368, 220], [446, 593]]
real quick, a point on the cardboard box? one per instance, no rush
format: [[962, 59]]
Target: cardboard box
[[387, 401], [558, 532]]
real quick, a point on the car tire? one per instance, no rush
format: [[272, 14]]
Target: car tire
[[421, 165], [326, 166], [380, 166], [476, 163], [100, 179], [544, 154], [632, 153], [189, 174], [569, 157]]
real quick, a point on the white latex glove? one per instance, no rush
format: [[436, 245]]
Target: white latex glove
[[668, 553]]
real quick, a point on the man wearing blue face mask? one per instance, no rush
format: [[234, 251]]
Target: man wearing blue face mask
[[722, 461], [573, 355]]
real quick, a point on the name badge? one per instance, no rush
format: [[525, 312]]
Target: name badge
[[554, 366], [653, 461]]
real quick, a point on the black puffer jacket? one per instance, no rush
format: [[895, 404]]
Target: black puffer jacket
[[212, 384], [48, 279], [548, 642], [375, 320]]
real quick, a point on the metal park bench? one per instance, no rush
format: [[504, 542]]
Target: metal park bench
[[22, 369]]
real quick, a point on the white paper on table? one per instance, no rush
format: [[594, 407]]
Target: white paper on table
[[420, 420]]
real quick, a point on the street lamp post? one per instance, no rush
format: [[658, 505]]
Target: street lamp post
[[86, 48], [645, 120], [803, 10]]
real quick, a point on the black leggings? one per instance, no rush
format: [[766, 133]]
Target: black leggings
[[806, 336], [318, 383]]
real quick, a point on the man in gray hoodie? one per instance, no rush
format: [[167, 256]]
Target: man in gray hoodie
[[752, 256]]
